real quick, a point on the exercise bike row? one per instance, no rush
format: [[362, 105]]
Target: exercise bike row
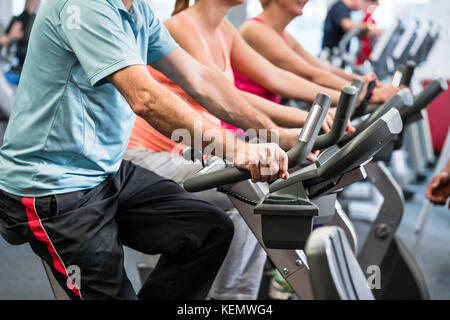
[[283, 215], [402, 42]]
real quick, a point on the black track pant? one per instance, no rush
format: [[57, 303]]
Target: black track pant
[[80, 235]]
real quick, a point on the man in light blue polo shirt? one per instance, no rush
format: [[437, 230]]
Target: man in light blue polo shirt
[[63, 184]]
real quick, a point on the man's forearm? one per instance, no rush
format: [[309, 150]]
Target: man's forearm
[[171, 115]]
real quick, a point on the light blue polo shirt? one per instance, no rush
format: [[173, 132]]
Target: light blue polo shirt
[[69, 127]]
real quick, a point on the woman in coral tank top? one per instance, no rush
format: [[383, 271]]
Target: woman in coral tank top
[[204, 33]]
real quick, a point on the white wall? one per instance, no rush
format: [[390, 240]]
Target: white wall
[[5, 12], [439, 60], [163, 8]]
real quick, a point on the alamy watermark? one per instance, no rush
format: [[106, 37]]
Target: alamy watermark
[[73, 277], [374, 277], [74, 17]]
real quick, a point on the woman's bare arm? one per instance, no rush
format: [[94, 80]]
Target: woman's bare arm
[[271, 46]]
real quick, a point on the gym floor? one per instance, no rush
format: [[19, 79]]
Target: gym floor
[[22, 275]]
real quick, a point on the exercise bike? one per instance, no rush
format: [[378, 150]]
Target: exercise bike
[[282, 216]]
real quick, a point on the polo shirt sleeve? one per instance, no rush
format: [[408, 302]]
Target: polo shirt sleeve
[[94, 31], [160, 42]]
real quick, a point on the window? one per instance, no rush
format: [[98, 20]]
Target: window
[[18, 6], [162, 8]]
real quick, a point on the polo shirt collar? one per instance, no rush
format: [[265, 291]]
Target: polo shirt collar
[[136, 19]]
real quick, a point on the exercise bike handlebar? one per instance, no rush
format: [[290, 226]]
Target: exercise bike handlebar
[[296, 155], [344, 43], [410, 67], [344, 111], [359, 85], [353, 154], [423, 99], [361, 110], [403, 75], [401, 99]]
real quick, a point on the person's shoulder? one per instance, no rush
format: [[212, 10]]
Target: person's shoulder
[[341, 6], [252, 28], [80, 7], [181, 32], [144, 8], [245, 26], [337, 6], [174, 24]]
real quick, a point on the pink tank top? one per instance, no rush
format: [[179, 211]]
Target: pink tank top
[[246, 84], [228, 70]]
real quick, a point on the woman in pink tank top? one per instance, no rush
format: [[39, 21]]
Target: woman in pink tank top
[[203, 32], [225, 52], [246, 84], [210, 25], [217, 44], [267, 35]]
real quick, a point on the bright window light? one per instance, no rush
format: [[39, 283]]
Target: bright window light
[[18, 6]]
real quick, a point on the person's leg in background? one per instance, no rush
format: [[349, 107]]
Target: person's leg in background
[[240, 276], [241, 272]]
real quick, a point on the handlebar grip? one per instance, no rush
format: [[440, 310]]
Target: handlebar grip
[[423, 99], [358, 84], [361, 110], [397, 78], [401, 99], [409, 72], [216, 179], [297, 154], [353, 154], [310, 130], [344, 110]]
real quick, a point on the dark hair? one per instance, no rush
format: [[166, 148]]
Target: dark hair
[[180, 5]]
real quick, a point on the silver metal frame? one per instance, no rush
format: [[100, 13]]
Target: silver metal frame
[[292, 264], [388, 219]]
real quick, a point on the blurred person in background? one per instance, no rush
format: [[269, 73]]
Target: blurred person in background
[[18, 32], [266, 34], [438, 190], [367, 41], [338, 21]]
